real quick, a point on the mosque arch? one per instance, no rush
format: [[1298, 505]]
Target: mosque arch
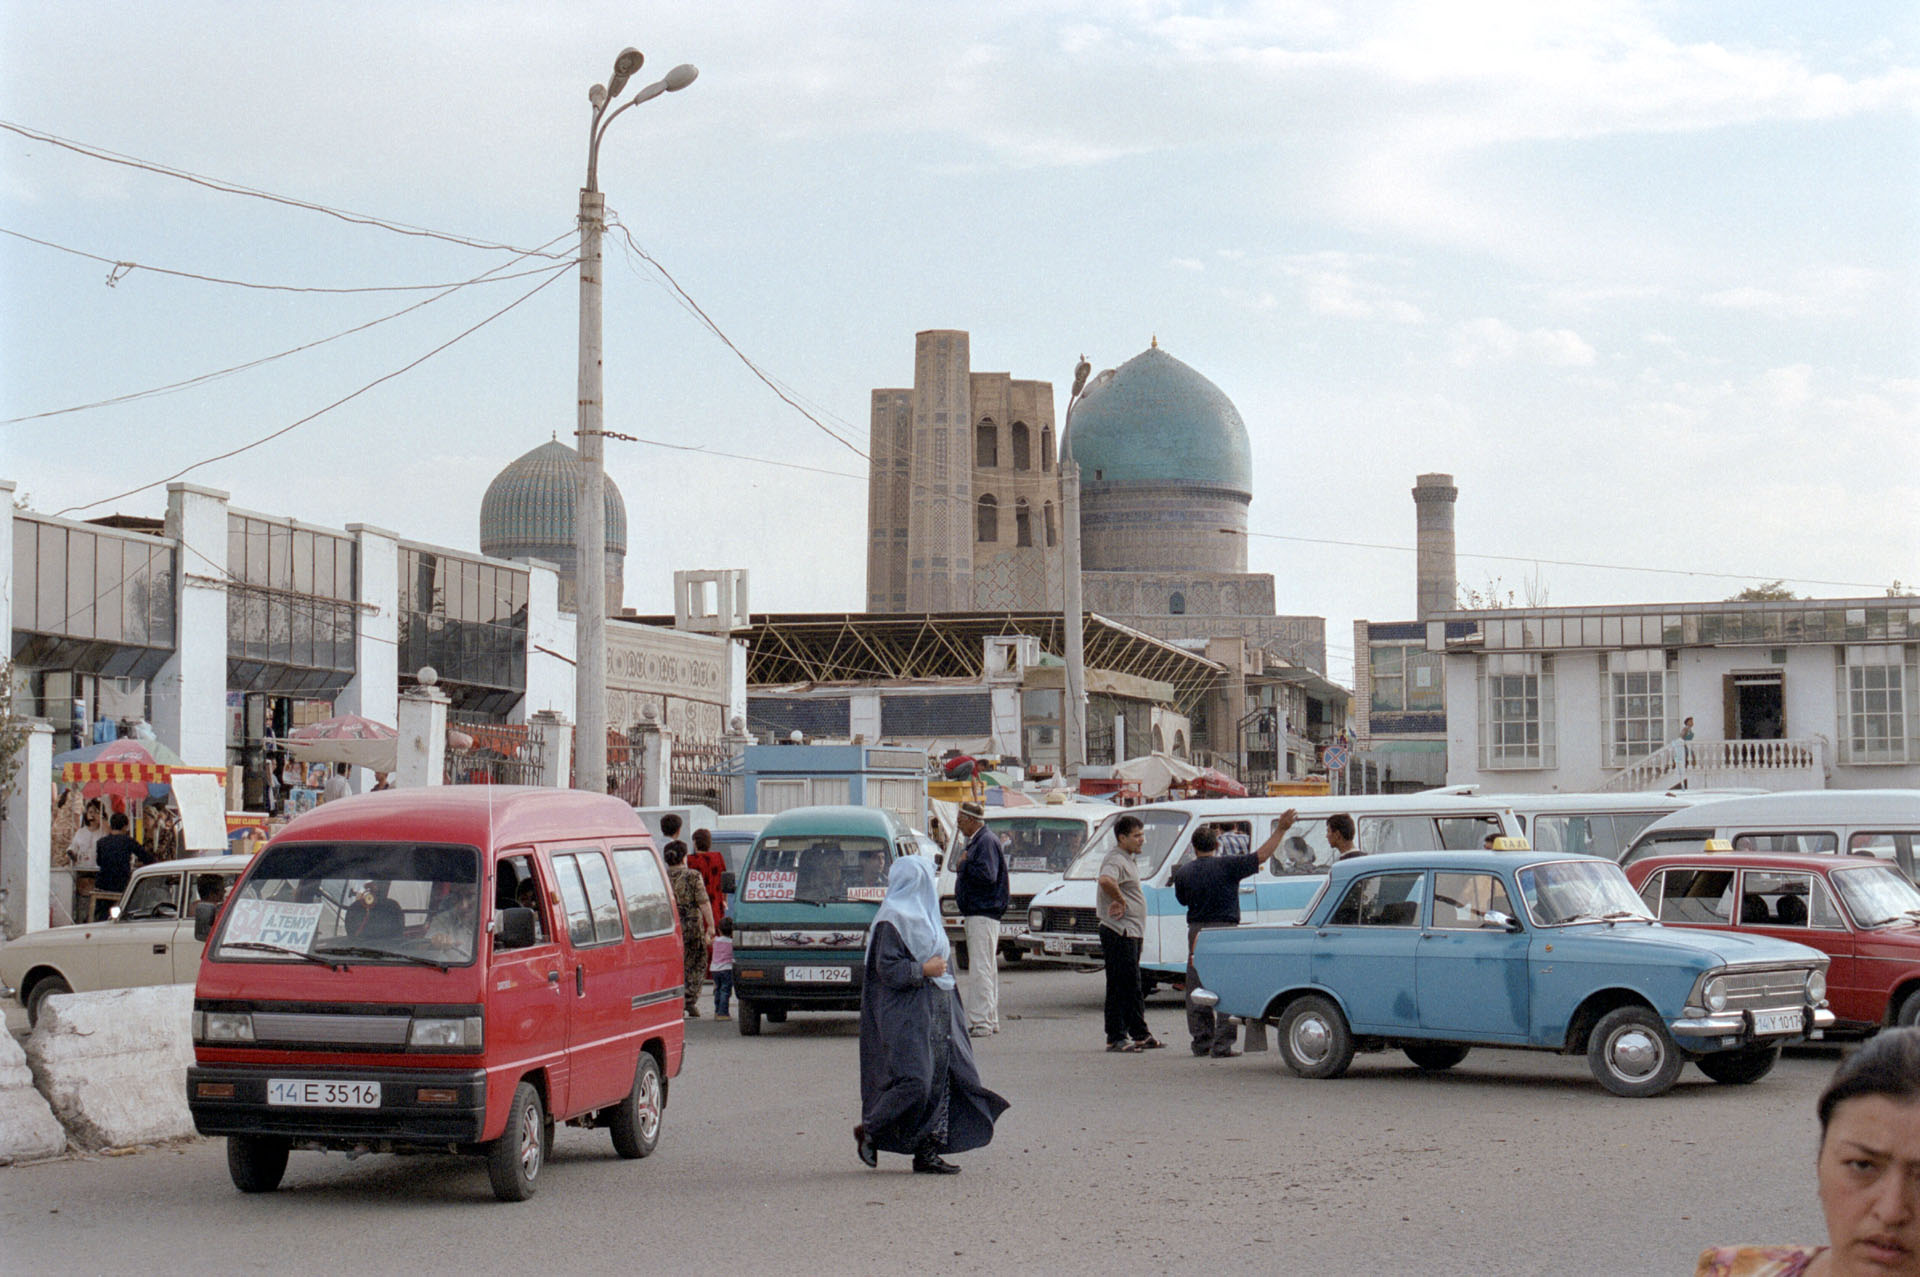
[[1022, 447], [986, 520], [986, 445], [1046, 513], [1022, 523], [1046, 448]]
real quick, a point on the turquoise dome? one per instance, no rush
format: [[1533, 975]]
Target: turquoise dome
[[529, 507], [1154, 419]]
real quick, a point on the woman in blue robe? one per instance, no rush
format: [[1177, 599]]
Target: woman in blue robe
[[920, 1091]]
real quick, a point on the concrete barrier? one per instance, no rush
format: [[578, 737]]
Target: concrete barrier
[[113, 1065], [28, 1128]]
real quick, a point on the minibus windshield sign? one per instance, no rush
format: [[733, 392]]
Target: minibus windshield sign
[[411, 903]]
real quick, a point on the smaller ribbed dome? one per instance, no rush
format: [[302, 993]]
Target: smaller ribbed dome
[[529, 507]]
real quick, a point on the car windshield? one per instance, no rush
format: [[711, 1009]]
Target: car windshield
[[1162, 828], [1567, 891], [1877, 895], [816, 869], [1037, 844], [356, 902]]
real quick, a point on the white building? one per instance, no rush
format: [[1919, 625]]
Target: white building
[[1799, 694]]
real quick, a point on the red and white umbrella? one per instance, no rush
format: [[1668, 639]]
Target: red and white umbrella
[[346, 738]]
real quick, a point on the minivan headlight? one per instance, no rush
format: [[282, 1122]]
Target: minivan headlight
[[754, 940], [949, 906], [225, 1026], [1715, 994], [445, 1032], [1037, 919], [1816, 987]]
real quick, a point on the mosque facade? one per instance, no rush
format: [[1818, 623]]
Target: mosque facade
[[527, 513]]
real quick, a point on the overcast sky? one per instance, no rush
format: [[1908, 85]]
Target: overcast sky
[[1641, 276]]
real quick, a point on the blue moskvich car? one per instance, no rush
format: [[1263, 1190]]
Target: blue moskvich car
[[1435, 952]]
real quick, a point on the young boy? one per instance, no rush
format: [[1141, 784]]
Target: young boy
[[721, 968]]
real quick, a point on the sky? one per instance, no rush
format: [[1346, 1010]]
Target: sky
[[1642, 277]]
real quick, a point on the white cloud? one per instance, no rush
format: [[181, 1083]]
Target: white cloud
[[1329, 286], [1814, 292], [1490, 340]]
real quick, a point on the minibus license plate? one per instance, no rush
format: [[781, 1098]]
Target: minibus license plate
[[1058, 946], [297, 1092], [820, 975], [1777, 1022]]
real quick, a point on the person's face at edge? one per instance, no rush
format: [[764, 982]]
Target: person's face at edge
[[1131, 843], [1869, 1177]]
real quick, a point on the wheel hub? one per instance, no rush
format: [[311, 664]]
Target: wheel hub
[[1635, 1053], [649, 1107], [530, 1140], [1311, 1038]]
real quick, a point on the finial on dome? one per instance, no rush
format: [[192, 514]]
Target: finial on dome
[[1156, 341]]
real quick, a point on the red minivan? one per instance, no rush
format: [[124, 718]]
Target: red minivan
[[440, 970]]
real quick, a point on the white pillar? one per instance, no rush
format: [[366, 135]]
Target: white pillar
[[736, 740], [656, 761], [6, 563], [556, 750], [422, 745], [26, 836], [190, 692], [375, 690]]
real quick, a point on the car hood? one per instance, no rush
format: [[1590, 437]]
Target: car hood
[[37, 946], [1730, 948]]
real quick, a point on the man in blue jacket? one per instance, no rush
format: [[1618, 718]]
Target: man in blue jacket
[[980, 894]]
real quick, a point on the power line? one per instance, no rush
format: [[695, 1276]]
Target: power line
[[737, 456], [235, 188], [715, 329], [1563, 563], [556, 273], [121, 269], [203, 378]]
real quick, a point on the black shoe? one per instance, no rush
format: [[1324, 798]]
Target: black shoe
[[863, 1148], [1148, 1043], [933, 1164], [1201, 1050], [1227, 1054]]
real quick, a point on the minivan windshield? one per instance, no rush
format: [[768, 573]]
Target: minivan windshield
[[350, 903], [1039, 844], [1566, 891], [816, 869], [1877, 895], [1162, 828]]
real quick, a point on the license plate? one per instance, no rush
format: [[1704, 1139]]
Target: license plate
[[820, 975], [1057, 946], [1013, 928], [1777, 1022], [295, 1092]]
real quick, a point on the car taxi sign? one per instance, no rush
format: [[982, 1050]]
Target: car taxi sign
[[1716, 844], [1512, 844]]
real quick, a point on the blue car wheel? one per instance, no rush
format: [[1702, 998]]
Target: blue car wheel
[[1314, 1038], [1632, 1054]]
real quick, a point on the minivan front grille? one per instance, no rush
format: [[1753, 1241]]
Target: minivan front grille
[[1079, 921], [330, 1030]]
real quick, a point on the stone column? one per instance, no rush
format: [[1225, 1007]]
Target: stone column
[[375, 690], [1433, 498], [736, 740], [190, 692], [655, 744], [556, 749], [422, 746], [26, 836]]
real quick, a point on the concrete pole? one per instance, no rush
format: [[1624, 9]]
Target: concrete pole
[[556, 747], [655, 744], [26, 836], [1076, 706], [590, 517], [422, 748]]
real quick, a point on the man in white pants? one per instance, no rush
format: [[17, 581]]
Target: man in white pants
[[980, 894]]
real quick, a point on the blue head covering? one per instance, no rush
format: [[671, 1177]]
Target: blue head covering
[[913, 907]]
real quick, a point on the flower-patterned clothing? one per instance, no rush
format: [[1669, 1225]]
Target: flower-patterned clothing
[[1757, 1261]]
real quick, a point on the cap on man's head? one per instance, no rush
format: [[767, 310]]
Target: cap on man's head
[[974, 810]]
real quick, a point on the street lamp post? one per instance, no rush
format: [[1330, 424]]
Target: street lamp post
[[1074, 621], [589, 515]]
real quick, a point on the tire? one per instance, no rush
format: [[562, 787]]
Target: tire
[[1435, 1057], [1314, 1038], [749, 1019], [45, 987], [776, 1015], [1632, 1054], [1909, 1013], [256, 1162], [514, 1160], [635, 1123], [1012, 955], [1738, 1068]]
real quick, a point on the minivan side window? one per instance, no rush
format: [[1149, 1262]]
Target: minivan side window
[[1467, 833], [519, 887], [1887, 846], [1817, 840], [586, 893], [649, 910]]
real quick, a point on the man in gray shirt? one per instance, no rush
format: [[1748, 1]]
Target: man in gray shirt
[[1123, 924]]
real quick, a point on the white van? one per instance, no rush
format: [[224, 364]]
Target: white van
[[1063, 921], [1591, 824], [1855, 822], [1039, 843]]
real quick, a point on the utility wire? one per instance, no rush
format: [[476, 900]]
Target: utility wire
[[1564, 563], [234, 188], [556, 273], [203, 378], [715, 329], [738, 456], [121, 269]]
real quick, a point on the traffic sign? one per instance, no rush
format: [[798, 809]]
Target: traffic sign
[[1336, 757]]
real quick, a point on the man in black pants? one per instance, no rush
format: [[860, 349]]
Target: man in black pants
[[1209, 886], [1123, 923]]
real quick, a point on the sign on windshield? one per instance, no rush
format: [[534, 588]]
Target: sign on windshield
[[817, 870], [343, 904]]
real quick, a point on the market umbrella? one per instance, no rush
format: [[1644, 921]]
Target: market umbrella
[[346, 738], [124, 769], [1216, 784]]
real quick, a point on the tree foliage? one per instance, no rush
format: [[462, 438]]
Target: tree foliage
[[1765, 592]]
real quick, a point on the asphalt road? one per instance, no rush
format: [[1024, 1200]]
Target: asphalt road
[[1515, 1162]]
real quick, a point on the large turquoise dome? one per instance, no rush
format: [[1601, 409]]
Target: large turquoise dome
[[529, 505], [1154, 419]]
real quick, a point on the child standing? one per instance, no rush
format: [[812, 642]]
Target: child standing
[[721, 968]]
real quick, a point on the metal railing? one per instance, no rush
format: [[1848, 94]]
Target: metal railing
[[499, 754]]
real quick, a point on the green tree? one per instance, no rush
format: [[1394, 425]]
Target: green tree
[[14, 728], [1765, 592]]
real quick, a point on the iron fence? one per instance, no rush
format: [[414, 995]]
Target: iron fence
[[493, 754]]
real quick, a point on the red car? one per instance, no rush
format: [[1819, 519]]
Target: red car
[[1861, 912]]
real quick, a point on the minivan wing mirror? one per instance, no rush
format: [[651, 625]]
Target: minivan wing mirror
[[204, 914], [516, 929]]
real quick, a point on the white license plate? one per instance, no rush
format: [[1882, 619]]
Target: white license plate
[[1778, 1022], [1057, 946], [820, 975], [297, 1092], [1013, 928]]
